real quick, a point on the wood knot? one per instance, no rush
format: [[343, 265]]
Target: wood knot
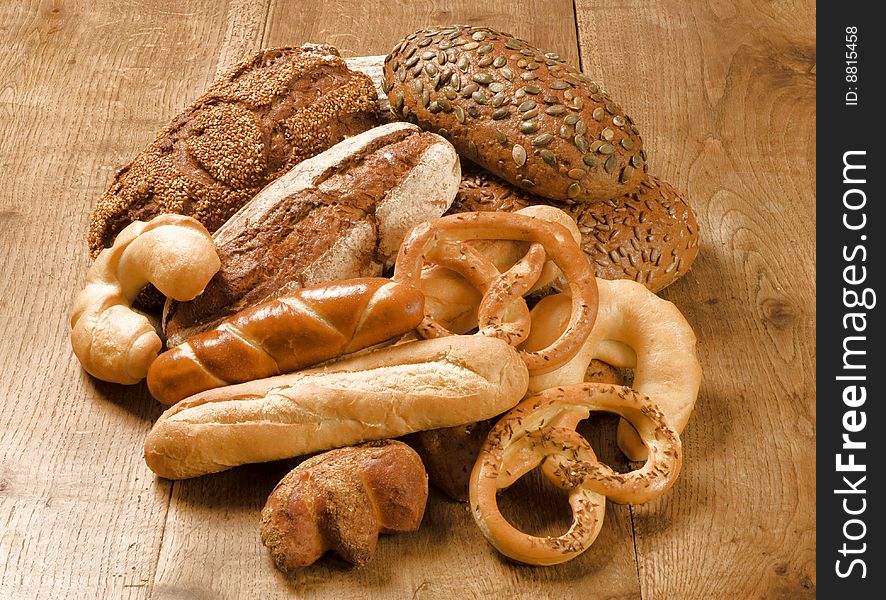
[[778, 312]]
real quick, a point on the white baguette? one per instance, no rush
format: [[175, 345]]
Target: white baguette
[[390, 392]]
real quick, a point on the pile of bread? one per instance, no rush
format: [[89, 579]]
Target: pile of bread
[[458, 243]]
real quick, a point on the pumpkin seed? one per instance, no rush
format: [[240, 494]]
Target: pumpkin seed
[[637, 161], [598, 114], [469, 89], [571, 119], [581, 143], [531, 89], [501, 138], [555, 109], [470, 46], [526, 106], [573, 190], [590, 160], [463, 63], [610, 164], [529, 126], [529, 76], [513, 44], [627, 144], [428, 55], [507, 73], [459, 113], [411, 62], [542, 140], [479, 97], [551, 100], [626, 174], [473, 111], [618, 121], [484, 78], [472, 149], [607, 134], [530, 114], [565, 132], [478, 36], [500, 113], [496, 87], [484, 62], [430, 69], [576, 173], [606, 149], [548, 156], [558, 84], [519, 155], [580, 127], [499, 62], [499, 99]]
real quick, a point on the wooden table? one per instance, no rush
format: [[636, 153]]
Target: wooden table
[[724, 93]]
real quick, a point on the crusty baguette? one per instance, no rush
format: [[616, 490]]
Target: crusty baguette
[[386, 393], [337, 215], [300, 329], [341, 500]]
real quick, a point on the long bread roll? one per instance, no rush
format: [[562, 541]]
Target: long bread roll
[[300, 329], [387, 393]]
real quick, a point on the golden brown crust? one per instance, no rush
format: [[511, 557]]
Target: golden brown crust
[[519, 111], [649, 235], [341, 500], [295, 331], [256, 121]]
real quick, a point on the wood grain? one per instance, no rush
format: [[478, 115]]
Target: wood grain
[[724, 95]]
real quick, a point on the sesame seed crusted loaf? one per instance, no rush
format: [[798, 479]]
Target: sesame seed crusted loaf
[[649, 235], [340, 214], [258, 120], [523, 113]]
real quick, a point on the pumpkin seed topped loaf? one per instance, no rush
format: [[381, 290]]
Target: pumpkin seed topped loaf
[[522, 113], [255, 122]]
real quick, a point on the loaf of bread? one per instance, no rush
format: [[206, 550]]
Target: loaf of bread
[[297, 330], [255, 122], [649, 235], [341, 500], [338, 215], [520, 112], [386, 393]]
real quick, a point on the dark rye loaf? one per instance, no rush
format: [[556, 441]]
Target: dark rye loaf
[[258, 120], [522, 113], [338, 215]]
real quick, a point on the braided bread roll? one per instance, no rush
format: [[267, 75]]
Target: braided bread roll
[[341, 500], [297, 330]]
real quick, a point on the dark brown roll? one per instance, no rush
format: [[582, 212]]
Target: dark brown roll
[[265, 115], [519, 111], [649, 235]]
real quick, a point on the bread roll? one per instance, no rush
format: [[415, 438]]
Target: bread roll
[[342, 500], [297, 330], [338, 215], [261, 118], [649, 235], [520, 112], [387, 393]]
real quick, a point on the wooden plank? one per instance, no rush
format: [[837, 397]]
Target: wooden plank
[[85, 86], [216, 517], [724, 95]]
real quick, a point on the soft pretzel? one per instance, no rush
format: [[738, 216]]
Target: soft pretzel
[[113, 342], [541, 431], [453, 300], [634, 329], [444, 239]]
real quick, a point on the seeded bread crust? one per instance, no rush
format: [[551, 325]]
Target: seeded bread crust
[[265, 115], [649, 235], [522, 113]]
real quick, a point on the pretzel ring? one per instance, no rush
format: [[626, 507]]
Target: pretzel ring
[[634, 329], [541, 430], [424, 241]]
